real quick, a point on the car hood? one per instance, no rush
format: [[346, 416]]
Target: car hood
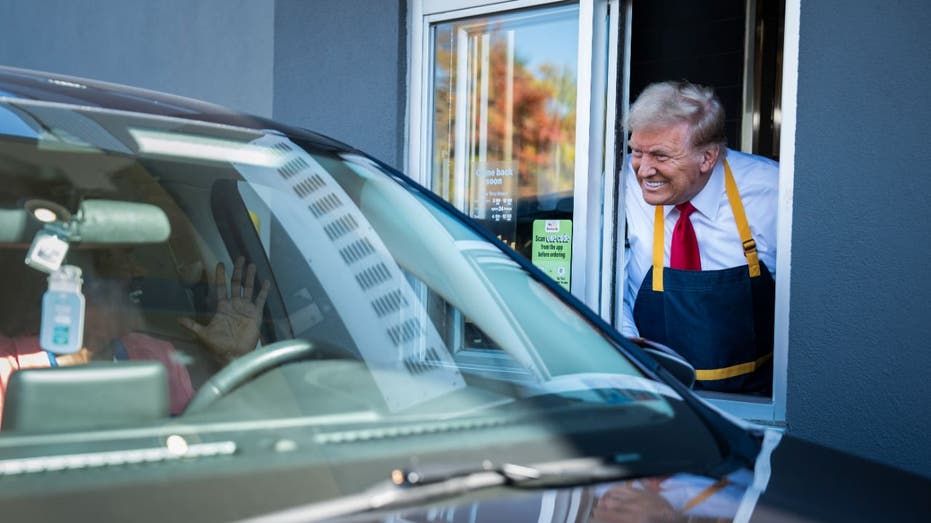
[[792, 480]]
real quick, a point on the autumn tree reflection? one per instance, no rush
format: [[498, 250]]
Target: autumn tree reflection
[[504, 120]]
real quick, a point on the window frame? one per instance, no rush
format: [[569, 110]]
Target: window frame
[[594, 236]]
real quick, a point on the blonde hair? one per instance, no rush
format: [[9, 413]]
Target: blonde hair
[[665, 104]]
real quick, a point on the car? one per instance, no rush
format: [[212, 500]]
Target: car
[[211, 316]]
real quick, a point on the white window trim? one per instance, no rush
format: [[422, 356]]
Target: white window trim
[[589, 228], [586, 141], [605, 48], [421, 14]]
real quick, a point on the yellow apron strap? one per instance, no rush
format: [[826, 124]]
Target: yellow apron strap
[[732, 371], [740, 217], [659, 245], [705, 494]]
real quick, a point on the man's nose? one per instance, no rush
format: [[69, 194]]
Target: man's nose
[[644, 166]]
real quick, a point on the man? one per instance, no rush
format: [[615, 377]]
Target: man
[[701, 222], [685, 498]]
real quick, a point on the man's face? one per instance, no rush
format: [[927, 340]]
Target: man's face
[[669, 170]]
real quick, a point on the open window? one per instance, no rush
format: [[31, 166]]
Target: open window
[[741, 48]]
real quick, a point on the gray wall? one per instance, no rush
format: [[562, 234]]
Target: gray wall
[[336, 66], [216, 50], [860, 327], [340, 69]]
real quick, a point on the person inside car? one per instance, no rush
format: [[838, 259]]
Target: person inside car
[[112, 319]]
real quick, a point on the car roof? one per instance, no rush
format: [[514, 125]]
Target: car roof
[[72, 90]]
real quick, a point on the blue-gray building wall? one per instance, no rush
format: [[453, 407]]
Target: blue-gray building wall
[[340, 69], [860, 312], [221, 51], [336, 66]]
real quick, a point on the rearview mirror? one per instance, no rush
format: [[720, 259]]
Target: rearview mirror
[[96, 222], [108, 221]]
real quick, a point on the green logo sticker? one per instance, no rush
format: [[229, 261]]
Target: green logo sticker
[[552, 249]]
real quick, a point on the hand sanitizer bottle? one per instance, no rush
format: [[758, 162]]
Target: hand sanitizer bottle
[[62, 330]]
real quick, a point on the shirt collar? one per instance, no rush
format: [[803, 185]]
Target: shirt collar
[[708, 200]]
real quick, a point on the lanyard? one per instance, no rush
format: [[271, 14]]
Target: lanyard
[[740, 218], [705, 494]]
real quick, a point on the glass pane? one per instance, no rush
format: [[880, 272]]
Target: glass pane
[[504, 94]]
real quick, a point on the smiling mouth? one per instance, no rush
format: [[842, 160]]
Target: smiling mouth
[[653, 185]]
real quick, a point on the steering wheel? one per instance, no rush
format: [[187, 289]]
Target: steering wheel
[[247, 367]]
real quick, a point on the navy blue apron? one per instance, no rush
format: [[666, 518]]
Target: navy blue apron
[[720, 321]]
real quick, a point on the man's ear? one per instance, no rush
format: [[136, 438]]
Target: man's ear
[[709, 157]]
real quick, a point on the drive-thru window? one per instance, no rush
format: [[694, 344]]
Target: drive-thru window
[[516, 118]]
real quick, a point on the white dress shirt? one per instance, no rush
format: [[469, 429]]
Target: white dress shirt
[[719, 242]]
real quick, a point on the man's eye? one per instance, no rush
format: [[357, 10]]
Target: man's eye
[[661, 157], [636, 153]]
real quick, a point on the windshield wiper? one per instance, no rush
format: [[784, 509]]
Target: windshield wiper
[[412, 487]]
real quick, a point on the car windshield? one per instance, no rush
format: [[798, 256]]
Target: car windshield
[[261, 292]]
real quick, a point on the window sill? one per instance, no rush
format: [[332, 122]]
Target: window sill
[[752, 409]]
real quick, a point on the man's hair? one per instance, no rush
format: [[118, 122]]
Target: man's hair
[[665, 104]]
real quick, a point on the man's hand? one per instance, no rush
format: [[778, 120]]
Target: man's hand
[[234, 329], [626, 503]]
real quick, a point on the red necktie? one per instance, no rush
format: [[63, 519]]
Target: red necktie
[[684, 251]]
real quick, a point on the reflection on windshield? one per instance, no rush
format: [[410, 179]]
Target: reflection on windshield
[[401, 347]]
